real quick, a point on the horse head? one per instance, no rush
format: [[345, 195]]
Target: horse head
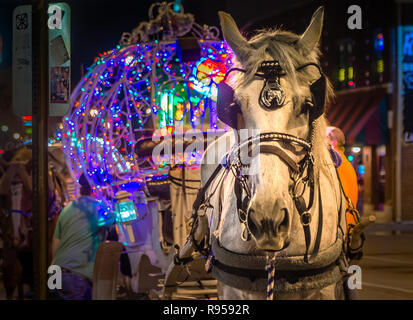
[[279, 87]]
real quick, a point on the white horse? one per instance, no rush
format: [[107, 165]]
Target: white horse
[[289, 216]]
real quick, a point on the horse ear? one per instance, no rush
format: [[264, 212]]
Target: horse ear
[[233, 37], [311, 36]]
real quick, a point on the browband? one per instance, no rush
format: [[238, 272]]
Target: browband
[[262, 75]]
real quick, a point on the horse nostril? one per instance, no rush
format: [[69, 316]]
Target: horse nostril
[[271, 226], [252, 224], [282, 226]]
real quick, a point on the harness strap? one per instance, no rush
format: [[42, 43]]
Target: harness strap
[[351, 207], [242, 205], [238, 193], [307, 235], [263, 274], [180, 183], [258, 261], [200, 197], [271, 149], [203, 246], [305, 217], [303, 210], [351, 253], [320, 225]]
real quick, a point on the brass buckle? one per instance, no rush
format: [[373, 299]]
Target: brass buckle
[[242, 216], [245, 233], [305, 218]]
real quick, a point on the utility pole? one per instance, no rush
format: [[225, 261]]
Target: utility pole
[[40, 143], [398, 119]]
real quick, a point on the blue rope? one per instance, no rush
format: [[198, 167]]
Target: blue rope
[[270, 267], [23, 213]]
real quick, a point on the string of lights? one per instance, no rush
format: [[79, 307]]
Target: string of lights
[[137, 90]]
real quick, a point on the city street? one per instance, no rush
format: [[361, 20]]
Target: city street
[[387, 267]]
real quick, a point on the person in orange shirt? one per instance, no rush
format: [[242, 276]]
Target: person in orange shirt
[[346, 172]]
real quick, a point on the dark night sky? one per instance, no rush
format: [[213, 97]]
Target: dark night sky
[[97, 25]]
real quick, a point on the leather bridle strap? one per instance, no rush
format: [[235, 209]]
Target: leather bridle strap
[[305, 218], [320, 225], [200, 197], [274, 150], [299, 201]]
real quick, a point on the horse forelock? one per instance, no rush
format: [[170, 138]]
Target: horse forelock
[[282, 45]]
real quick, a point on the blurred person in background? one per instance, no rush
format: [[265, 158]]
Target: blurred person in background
[[346, 172], [81, 228]]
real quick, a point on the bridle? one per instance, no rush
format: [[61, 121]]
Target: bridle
[[302, 172]]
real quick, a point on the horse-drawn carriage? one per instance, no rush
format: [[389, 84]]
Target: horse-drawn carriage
[[246, 207]]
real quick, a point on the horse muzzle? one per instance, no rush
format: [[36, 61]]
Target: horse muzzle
[[270, 233]]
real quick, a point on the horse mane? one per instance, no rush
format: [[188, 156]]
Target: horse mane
[[282, 45]]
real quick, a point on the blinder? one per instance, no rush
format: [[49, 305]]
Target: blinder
[[272, 94], [318, 92], [227, 108]]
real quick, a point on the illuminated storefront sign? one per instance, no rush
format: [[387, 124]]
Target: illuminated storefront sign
[[407, 74]]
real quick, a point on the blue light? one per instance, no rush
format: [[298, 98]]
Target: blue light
[[125, 211], [176, 7], [379, 42], [381, 45]]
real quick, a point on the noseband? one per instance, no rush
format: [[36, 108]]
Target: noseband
[[301, 173]]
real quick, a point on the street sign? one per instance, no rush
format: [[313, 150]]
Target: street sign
[[59, 59], [22, 60]]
